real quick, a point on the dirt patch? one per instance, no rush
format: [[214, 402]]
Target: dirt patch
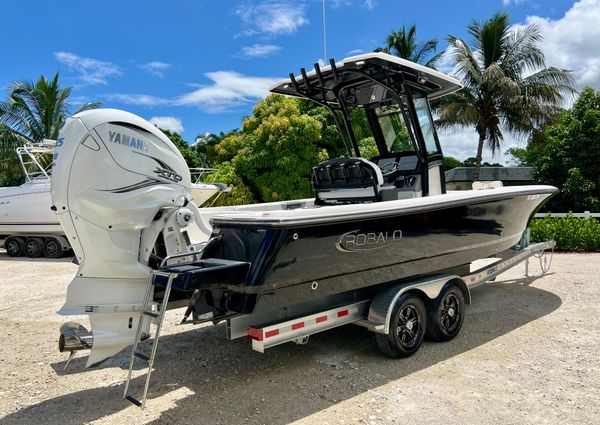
[[528, 352]]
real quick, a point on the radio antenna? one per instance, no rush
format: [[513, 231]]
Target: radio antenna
[[324, 36]]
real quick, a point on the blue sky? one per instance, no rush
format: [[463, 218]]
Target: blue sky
[[199, 66]]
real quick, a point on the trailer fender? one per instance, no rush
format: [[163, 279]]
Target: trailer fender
[[429, 288]]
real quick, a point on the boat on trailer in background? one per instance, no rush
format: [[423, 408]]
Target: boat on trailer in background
[[381, 244], [28, 227]]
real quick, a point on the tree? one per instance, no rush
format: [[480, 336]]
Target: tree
[[570, 157], [37, 111], [403, 43], [32, 112], [450, 163], [506, 83], [10, 169], [274, 152]]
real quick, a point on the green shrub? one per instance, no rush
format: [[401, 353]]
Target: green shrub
[[570, 233]]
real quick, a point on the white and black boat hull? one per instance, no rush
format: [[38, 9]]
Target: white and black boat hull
[[287, 262]]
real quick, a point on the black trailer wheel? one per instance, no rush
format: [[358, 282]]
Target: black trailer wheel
[[34, 247], [447, 314], [15, 247], [53, 248], [407, 328]]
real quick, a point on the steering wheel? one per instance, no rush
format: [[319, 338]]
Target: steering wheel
[[389, 168]]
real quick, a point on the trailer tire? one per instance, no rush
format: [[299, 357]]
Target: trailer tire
[[407, 328], [446, 314], [34, 247], [15, 247], [53, 248]]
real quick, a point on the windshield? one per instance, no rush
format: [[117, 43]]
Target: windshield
[[426, 124], [394, 129]]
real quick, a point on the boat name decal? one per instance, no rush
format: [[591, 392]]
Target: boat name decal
[[356, 240], [132, 142]]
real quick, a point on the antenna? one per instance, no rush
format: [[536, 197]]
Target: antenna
[[324, 35]]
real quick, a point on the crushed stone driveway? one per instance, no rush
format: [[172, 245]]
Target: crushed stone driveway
[[529, 352]]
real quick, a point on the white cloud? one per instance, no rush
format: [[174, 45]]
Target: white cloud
[[91, 71], [508, 2], [168, 123], [370, 4], [272, 17], [155, 68], [339, 3], [462, 144], [367, 4], [138, 99], [573, 41], [228, 89], [259, 51], [355, 52]]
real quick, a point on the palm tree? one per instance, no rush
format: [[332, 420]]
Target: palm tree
[[506, 83], [31, 113], [37, 111], [403, 43]]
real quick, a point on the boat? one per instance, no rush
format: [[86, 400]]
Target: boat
[[202, 192], [372, 223], [27, 224]]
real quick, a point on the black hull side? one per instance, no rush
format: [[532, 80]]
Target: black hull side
[[365, 253]]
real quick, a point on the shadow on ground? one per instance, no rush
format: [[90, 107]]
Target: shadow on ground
[[233, 384]]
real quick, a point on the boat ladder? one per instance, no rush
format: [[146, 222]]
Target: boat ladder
[[157, 317]]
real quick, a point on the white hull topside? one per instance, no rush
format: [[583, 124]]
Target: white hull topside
[[25, 210]]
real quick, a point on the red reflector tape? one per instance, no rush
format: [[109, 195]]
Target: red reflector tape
[[342, 313], [269, 334], [256, 334], [298, 325], [320, 319]]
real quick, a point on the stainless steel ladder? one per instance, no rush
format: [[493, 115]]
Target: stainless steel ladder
[[157, 317]]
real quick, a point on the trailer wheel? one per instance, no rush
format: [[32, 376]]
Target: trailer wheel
[[34, 247], [15, 247], [446, 315], [53, 248], [407, 328]]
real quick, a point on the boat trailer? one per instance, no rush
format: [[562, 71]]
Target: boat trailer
[[390, 308]]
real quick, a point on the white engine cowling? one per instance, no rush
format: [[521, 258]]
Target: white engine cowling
[[113, 172]]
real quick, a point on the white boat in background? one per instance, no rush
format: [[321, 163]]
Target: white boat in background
[[202, 192], [28, 226]]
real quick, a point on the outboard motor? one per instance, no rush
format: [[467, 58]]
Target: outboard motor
[[118, 185]]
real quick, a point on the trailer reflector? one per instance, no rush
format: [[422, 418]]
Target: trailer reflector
[[299, 329], [273, 332], [256, 334]]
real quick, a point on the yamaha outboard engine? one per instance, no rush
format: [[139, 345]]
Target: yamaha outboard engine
[[119, 185]]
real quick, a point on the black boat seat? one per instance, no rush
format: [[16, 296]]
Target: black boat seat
[[346, 181]]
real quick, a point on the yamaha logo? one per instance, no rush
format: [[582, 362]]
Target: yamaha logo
[[356, 240]]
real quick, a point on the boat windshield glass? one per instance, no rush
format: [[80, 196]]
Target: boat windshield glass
[[426, 124], [394, 129]]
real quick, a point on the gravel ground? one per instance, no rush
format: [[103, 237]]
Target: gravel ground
[[527, 353]]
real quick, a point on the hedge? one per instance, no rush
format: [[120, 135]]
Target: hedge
[[570, 233]]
